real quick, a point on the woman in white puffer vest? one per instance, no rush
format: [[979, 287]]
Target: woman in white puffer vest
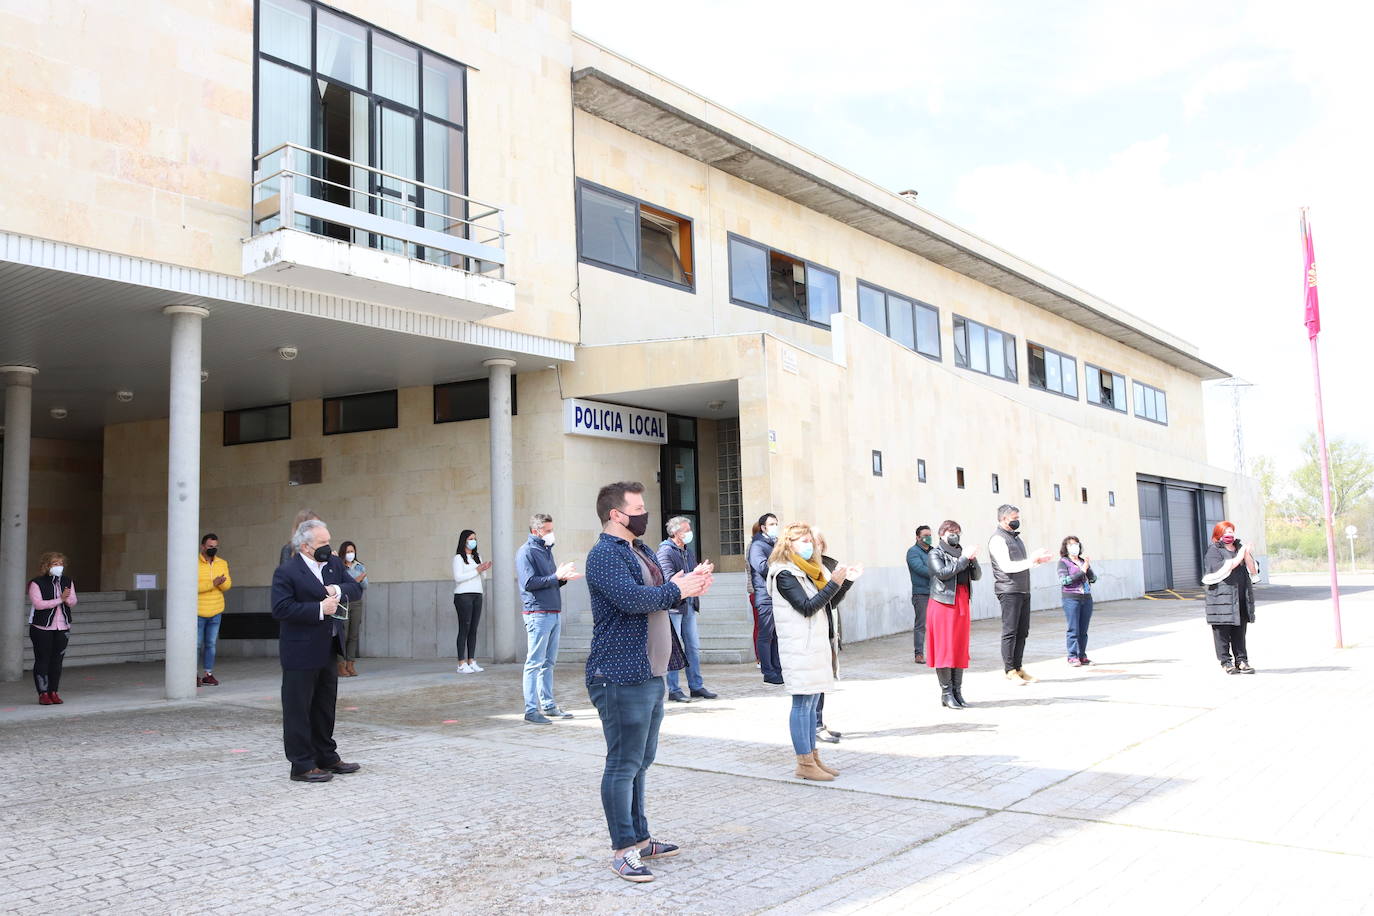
[[801, 589]]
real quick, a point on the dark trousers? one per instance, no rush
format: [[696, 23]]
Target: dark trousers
[[766, 645], [630, 717], [49, 648], [354, 628], [820, 713], [1229, 641], [1015, 628], [469, 608], [307, 717], [919, 603]]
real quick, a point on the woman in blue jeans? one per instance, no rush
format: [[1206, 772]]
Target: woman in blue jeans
[[1076, 578]]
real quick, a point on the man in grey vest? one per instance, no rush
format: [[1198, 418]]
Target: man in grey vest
[[1011, 570]]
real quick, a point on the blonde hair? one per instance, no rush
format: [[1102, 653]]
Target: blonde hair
[[782, 550], [48, 560]]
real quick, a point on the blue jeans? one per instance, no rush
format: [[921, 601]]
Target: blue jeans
[[686, 626], [207, 634], [802, 722], [630, 717], [1078, 610], [541, 654]]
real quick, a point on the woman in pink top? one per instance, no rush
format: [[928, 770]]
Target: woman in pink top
[[53, 596]]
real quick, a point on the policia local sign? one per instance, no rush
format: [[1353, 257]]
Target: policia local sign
[[611, 421]]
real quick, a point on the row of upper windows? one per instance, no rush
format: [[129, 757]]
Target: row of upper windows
[[627, 235]]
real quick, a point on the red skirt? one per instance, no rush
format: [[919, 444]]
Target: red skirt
[[947, 631]]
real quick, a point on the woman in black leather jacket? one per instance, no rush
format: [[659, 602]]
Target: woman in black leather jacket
[[953, 570]]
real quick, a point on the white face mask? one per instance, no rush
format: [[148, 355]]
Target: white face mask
[[548, 539], [687, 538], [771, 531], [56, 571], [349, 556]]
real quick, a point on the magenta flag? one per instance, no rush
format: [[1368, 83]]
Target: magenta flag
[[1313, 316]]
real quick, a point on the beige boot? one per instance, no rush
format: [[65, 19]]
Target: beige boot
[[807, 769], [343, 668], [816, 756]]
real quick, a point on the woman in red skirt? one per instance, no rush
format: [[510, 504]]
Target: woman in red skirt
[[953, 570]]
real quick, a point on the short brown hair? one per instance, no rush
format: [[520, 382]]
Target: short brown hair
[[949, 524], [48, 560], [612, 496]]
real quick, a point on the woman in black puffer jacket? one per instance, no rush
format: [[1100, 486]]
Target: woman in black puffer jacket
[[1228, 566]]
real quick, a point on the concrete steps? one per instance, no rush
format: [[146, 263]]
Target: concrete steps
[[109, 628]]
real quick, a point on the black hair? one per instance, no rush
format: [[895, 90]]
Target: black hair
[[758, 525], [343, 550], [1064, 545], [462, 545], [209, 537]]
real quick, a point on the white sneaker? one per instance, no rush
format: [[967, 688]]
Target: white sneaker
[[463, 668], [474, 667]]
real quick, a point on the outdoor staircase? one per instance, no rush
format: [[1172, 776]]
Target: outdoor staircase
[[724, 624], [107, 628]]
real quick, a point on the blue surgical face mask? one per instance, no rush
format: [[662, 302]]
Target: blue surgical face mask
[[771, 531], [687, 538], [472, 543], [806, 550]]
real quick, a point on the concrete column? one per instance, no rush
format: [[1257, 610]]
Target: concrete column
[[14, 517], [183, 499], [503, 536]]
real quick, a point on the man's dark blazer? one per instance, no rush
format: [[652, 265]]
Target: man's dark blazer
[[307, 642]]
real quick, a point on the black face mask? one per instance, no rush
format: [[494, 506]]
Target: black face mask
[[638, 524], [210, 552], [1014, 524], [323, 553], [952, 540]]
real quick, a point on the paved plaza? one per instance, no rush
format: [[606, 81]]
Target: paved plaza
[[1148, 783]]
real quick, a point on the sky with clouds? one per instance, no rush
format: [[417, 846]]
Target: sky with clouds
[[1154, 154]]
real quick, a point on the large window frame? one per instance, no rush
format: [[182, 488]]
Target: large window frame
[[484, 384], [1093, 392], [895, 301], [1069, 374], [422, 112], [385, 394], [685, 252], [770, 255], [965, 357], [1150, 403], [231, 418]]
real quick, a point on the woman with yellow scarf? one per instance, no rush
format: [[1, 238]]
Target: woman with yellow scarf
[[801, 590]]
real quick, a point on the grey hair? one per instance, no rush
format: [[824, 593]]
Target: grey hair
[[674, 524], [1004, 510], [303, 533], [539, 520]]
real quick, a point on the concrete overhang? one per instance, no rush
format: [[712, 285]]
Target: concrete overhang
[[785, 171]]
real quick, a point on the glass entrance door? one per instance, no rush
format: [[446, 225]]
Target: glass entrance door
[[678, 473]]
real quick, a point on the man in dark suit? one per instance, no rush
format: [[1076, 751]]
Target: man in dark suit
[[306, 590]]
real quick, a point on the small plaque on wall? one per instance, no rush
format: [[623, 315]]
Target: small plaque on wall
[[304, 471]]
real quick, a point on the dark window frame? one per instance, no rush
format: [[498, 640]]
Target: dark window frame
[[959, 478], [1030, 378], [434, 394], [768, 309], [939, 354], [1083, 491], [996, 484], [877, 463], [1026, 488], [395, 404], [1125, 393], [920, 470], [639, 204], [225, 424], [1111, 499], [1015, 378], [1158, 391], [1058, 496]]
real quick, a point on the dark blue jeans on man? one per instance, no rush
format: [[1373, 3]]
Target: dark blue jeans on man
[[630, 717], [1078, 610]]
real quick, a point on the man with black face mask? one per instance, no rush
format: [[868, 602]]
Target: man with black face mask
[[306, 593], [1011, 572]]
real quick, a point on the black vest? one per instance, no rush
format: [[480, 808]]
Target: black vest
[[1011, 583], [45, 588]]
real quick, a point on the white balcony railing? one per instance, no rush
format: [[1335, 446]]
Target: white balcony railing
[[326, 195]]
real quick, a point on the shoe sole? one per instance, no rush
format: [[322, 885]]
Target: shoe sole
[[637, 879]]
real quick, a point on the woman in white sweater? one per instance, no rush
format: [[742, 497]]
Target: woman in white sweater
[[467, 598]]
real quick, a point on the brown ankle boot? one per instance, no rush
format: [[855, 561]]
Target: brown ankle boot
[[807, 769], [352, 672], [343, 668], [816, 756]]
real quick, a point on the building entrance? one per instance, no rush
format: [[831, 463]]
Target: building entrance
[[678, 475]]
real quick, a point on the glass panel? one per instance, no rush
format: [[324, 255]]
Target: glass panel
[[396, 154], [443, 166], [787, 284], [1038, 367], [1054, 373], [1163, 409], [822, 294], [960, 343], [284, 30], [444, 84], [395, 70], [901, 325], [1093, 379], [283, 116], [360, 413], [1139, 392], [873, 308], [610, 229], [1009, 351], [1119, 393], [659, 236], [341, 130], [1070, 367], [927, 330], [748, 273], [682, 429], [996, 353], [340, 49], [978, 347], [257, 424], [682, 479]]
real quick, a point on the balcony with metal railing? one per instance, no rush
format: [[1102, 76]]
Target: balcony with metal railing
[[328, 224]]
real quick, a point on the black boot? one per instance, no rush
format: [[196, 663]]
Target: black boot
[[946, 688], [956, 685]]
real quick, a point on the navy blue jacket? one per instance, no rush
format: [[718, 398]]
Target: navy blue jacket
[[759, 550], [534, 570], [673, 559], [621, 604], [307, 642]]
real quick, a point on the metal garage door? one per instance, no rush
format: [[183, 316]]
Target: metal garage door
[[1152, 536], [1185, 556]]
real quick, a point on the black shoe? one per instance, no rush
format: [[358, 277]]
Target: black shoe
[[1228, 668], [315, 775], [677, 696], [342, 768], [772, 679], [827, 736], [704, 694], [832, 733], [1244, 668]]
